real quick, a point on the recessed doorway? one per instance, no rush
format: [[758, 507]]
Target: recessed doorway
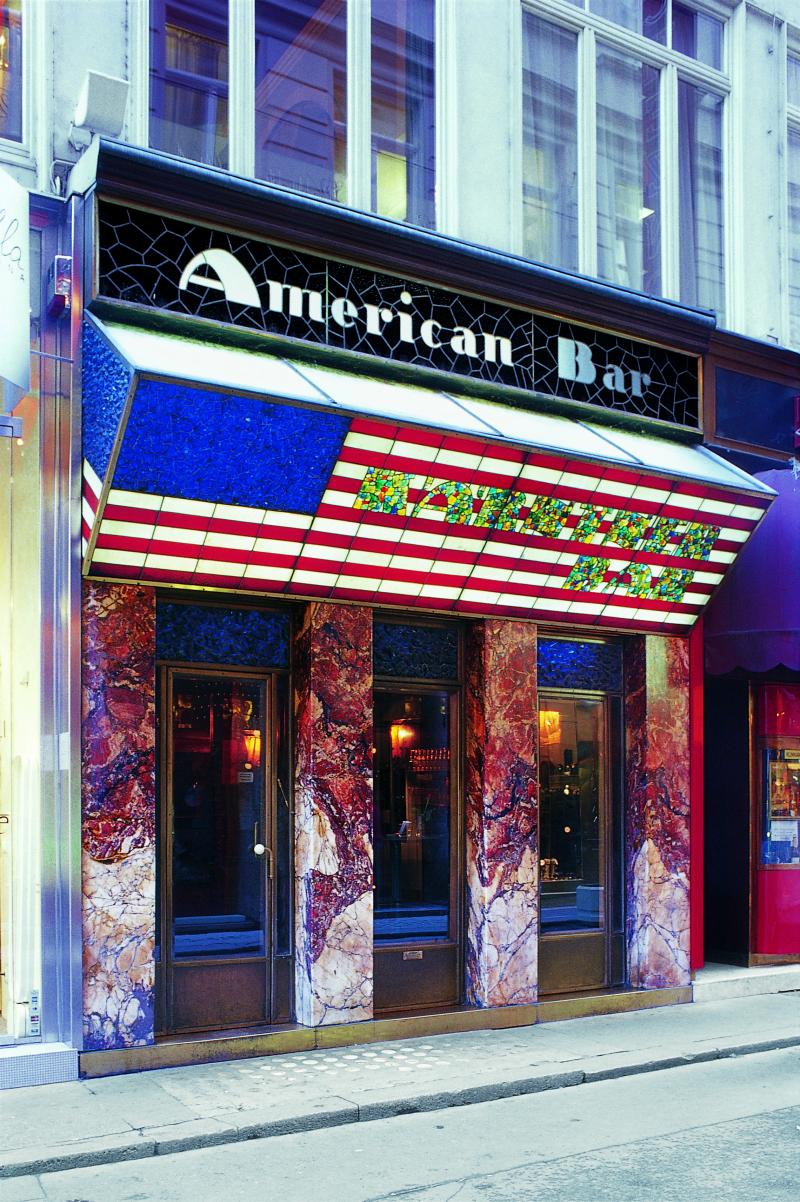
[[216, 869], [580, 857]]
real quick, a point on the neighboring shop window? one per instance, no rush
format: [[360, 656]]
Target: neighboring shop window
[[777, 709], [11, 70], [597, 164], [793, 184], [189, 79]]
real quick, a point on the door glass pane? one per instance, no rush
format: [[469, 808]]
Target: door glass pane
[[218, 754], [403, 110], [301, 95], [571, 766], [412, 801], [550, 147], [189, 79], [628, 177], [700, 180]]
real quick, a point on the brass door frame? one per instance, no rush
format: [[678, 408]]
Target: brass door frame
[[165, 965], [446, 955], [576, 949]]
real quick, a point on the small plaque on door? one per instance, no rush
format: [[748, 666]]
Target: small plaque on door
[[413, 955], [245, 778]]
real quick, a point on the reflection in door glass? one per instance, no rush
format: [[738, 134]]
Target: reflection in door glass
[[218, 769], [570, 819], [412, 816]]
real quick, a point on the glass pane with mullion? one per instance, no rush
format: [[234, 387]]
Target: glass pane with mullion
[[793, 80], [793, 172], [301, 95], [412, 816], [702, 264], [571, 769], [550, 143], [642, 16], [11, 70], [697, 35], [217, 799], [189, 79], [628, 172], [403, 110]]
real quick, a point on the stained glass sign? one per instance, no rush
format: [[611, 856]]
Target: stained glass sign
[[191, 271]]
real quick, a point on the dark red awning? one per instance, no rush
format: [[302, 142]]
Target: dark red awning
[[753, 622]]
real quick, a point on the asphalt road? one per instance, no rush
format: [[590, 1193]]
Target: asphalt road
[[726, 1131]]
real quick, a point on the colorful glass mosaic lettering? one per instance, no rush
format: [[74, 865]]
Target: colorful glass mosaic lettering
[[547, 516], [383, 491], [455, 496], [589, 522]]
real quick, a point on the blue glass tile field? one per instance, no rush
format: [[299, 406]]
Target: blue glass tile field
[[421, 652], [211, 634], [239, 450], [571, 665], [106, 379]]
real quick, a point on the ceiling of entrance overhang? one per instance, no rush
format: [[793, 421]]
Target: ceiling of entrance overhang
[[215, 467]]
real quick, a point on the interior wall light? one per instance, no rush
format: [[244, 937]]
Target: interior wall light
[[549, 727]]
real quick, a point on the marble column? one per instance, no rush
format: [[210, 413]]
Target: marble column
[[333, 815], [502, 801], [118, 823], [657, 811]]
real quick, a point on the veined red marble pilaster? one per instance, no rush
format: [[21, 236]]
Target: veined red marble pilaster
[[657, 811], [118, 787], [502, 800], [333, 815]]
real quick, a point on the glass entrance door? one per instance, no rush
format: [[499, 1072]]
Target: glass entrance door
[[216, 851], [573, 842], [415, 832]]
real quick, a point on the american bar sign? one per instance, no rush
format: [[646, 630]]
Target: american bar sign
[[190, 270]]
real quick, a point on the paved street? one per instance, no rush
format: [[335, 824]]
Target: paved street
[[724, 1131]]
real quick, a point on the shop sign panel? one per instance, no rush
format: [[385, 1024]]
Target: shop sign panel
[[387, 514], [189, 270]]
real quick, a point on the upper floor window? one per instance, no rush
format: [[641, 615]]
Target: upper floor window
[[11, 70], [622, 144], [793, 183], [359, 132]]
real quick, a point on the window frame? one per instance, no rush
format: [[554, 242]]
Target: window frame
[[22, 153], [673, 67], [241, 98], [792, 128]]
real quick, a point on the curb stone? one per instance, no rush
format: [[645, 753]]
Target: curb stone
[[202, 1133]]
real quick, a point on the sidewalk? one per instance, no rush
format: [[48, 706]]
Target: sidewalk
[[81, 1123]]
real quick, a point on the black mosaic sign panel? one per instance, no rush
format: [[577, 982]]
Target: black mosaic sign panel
[[176, 267]]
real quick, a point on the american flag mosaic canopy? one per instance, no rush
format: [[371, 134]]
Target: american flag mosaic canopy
[[302, 496]]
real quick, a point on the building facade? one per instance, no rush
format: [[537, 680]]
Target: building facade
[[400, 397]]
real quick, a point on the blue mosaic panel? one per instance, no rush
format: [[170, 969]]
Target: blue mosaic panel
[[421, 652], [106, 379], [239, 450], [211, 634], [567, 665]]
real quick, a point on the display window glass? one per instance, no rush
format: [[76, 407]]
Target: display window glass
[[413, 824], [777, 725]]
